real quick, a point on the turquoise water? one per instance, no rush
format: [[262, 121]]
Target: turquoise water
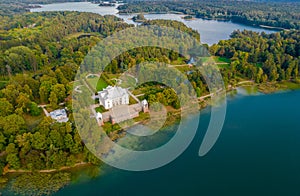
[[211, 31], [257, 153]]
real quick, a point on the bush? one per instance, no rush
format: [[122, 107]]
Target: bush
[[35, 110]]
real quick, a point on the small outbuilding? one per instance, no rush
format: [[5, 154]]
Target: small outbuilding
[[59, 115]]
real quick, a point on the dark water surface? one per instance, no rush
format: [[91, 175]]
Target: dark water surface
[[258, 153]]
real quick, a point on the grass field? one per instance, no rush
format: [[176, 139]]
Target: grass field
[[179, 61], [98, 82], [183, 69], [221, 59], [132, 101], [224, 66], [76, 83], [127, 81], [76, 35], [33, 121], [111, 75], [290, 85], [204, 59], [101, 109]]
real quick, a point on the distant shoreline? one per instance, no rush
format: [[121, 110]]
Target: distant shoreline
[[270, 27], [64, 168], [119, 12], [206, 18]]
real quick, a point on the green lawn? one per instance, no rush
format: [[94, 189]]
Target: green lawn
[[111, 75], [290, 85], [127, 81], [33, 121], [132, 101], [99, 83], [100, 109], [76, 83], [219, 59], [138, 91], [204, 59], [76, 35], [108, 127], [179, 61], [183, 69], [224, 65], [142, 116]]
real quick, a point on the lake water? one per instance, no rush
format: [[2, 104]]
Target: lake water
[[257, 153], [211, 31]]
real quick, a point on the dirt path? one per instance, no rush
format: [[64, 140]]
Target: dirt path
[[134, 97], [45, 111], [209, 95], [77, 89], [246, 81]]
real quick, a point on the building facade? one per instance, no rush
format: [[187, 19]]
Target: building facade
[[113, 96], [59, 115]]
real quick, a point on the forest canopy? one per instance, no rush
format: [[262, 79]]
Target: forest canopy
[[276, 14], [40, 54], [39, 57]]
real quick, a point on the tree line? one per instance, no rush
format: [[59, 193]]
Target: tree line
[[40, 54], [261, 57], [276, 14]]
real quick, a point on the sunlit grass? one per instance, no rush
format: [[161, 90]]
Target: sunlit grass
[[99, 83]]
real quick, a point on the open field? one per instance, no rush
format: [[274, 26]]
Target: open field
[[221, 59], [179, 61], [81, 34], [224, 65], [98, 82], [289, 85], [33, 121], [127, 81]]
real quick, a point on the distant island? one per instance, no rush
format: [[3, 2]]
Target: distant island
[[188, 17], [139, 18], [245, 12], [107, 4]]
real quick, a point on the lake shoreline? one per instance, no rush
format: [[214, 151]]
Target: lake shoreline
[[194, 17], [177, 13], [169, 122], [204, 102], [233, 141], [64, 168], [199, 24]]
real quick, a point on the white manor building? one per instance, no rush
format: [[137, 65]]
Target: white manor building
[[112, 96]]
